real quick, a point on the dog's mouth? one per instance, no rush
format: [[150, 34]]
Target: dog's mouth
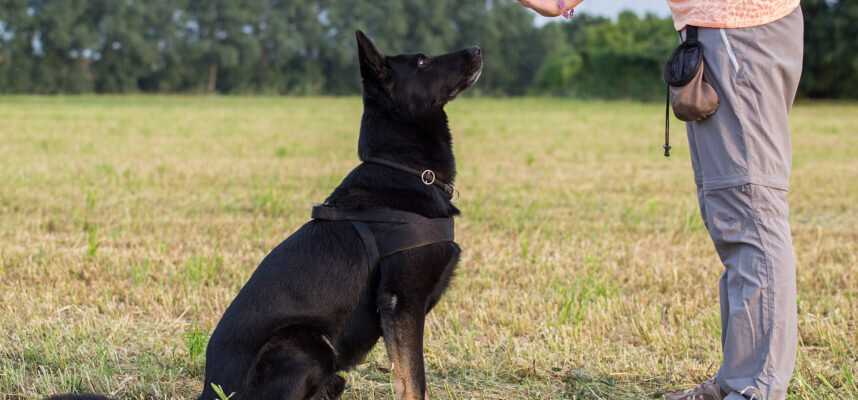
[[475, 76], [470, 80]]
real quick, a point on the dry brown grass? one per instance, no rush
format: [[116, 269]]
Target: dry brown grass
[[128, 223]]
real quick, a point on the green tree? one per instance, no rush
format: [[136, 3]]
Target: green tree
[[621, 59], [127, 49], [63, 46], [222, 39], [298, 47], [291, 36], [831, 52], [388, 23], [16, 34]]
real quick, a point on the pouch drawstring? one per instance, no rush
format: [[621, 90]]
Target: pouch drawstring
[[667, 123]]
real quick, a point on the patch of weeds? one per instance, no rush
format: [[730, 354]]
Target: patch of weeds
[[130, 180], [106, 366], [87, 148], [90, 228], [165, 366], [10, 376], [90, 201], [50, 226], [202, 270], [161, 171], [268, 203], [71, 383], [692, 220], [581, 385], [849, 380], [45, 145], [106, 169], [33, 356], [636, 215], [139, 272], [5, 263], [196, 341], [526, 215], [583, 292], [478, 212], [281, 152], [92, 242], [220, 393], [524, 243]]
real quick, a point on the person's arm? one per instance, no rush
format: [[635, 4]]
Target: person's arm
[[551, 8]]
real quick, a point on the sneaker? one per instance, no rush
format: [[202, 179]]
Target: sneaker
[[708, 390]]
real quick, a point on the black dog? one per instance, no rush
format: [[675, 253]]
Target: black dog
[[319, 302], [373, 262]]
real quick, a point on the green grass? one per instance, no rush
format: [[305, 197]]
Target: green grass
[[127, 224]]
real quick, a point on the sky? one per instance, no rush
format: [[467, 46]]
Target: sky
[[610, 8], [613, 7]]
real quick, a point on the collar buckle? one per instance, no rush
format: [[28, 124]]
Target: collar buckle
[[428, 177]]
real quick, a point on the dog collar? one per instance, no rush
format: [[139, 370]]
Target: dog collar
[[427, 176]]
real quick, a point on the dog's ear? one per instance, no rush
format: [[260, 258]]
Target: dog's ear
[[372, 64]]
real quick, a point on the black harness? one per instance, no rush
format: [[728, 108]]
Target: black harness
[[385, 231]]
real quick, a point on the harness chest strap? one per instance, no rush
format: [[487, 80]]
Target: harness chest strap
[[385, 232]]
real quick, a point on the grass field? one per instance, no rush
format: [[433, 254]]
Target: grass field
[[127, 224]]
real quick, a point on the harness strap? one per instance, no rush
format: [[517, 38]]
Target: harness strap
[[396, 238], [385, 232], [369, 244], [427, 176], [327, 213]]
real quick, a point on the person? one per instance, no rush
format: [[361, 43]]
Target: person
[[742, 158]]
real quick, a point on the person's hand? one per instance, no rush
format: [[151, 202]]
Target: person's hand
[[551, 8]]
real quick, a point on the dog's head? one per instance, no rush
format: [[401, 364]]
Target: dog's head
[[415, 85]]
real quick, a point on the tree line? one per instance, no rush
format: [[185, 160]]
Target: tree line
[[307, 47]]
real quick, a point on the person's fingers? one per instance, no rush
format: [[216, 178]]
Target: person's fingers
[[551, 8], [567, 7], [570, 4]]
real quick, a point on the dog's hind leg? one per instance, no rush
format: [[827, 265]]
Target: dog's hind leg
[[296, 364]]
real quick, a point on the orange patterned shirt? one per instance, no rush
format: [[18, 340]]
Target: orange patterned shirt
[[729, 13]]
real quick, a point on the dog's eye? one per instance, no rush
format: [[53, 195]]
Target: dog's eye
[[422, 61]]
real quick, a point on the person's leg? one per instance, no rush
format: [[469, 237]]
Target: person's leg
[[749, 226], [742, 158], [698, 182]]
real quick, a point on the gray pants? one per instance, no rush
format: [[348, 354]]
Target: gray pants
[[742, 158]]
